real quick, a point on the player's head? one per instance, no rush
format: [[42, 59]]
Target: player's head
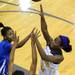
[[18, 72], [7, 32], [64, 43]]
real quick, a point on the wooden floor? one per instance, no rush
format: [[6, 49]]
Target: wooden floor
[[23, 23]]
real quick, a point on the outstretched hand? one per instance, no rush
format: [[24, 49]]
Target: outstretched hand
[[35, 34], [33, 30], [16, 38]]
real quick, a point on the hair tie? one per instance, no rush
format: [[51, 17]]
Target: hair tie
[[64, 40]]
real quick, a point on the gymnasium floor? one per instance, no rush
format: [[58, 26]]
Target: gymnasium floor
[[23, 23]]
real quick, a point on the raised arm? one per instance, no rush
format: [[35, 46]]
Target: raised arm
[[11, 61], [23, 42], [45, 57], [44, 27], [34, 58]]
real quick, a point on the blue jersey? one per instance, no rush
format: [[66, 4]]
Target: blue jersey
[[5, 48]]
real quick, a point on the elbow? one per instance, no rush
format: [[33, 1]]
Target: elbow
[[59, 60], [43, 57]]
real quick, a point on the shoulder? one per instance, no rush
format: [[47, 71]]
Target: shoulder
[[2, 43], [7, 44]]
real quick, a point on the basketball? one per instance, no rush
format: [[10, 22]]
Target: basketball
[[36, 0]]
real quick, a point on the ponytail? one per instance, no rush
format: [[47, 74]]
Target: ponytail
[[1, 25], [4, 29], [67, 48]]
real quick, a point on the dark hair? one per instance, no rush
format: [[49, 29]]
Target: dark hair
[[65, 43], [18, 72], [4, 29]]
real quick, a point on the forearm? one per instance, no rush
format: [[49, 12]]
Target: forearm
[[21, 43], [34, 58], [32, 70], [10, 70], [11, 61], [43, 23], [44, 29], [40, 49], [12, 53], [34, 54], [54, 59]]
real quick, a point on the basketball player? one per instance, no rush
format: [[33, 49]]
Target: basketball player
[[52, 55], [6, 46]]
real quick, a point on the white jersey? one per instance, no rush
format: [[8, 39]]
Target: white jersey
[[48, 68]]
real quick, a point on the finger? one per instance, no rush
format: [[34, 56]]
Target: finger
[[18, 39], [15, 33], [32, 35], [33, 29], [41, 8], [38, 32], [38, 36]]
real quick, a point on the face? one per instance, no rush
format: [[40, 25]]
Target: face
[[10, 35], [57, 41]]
